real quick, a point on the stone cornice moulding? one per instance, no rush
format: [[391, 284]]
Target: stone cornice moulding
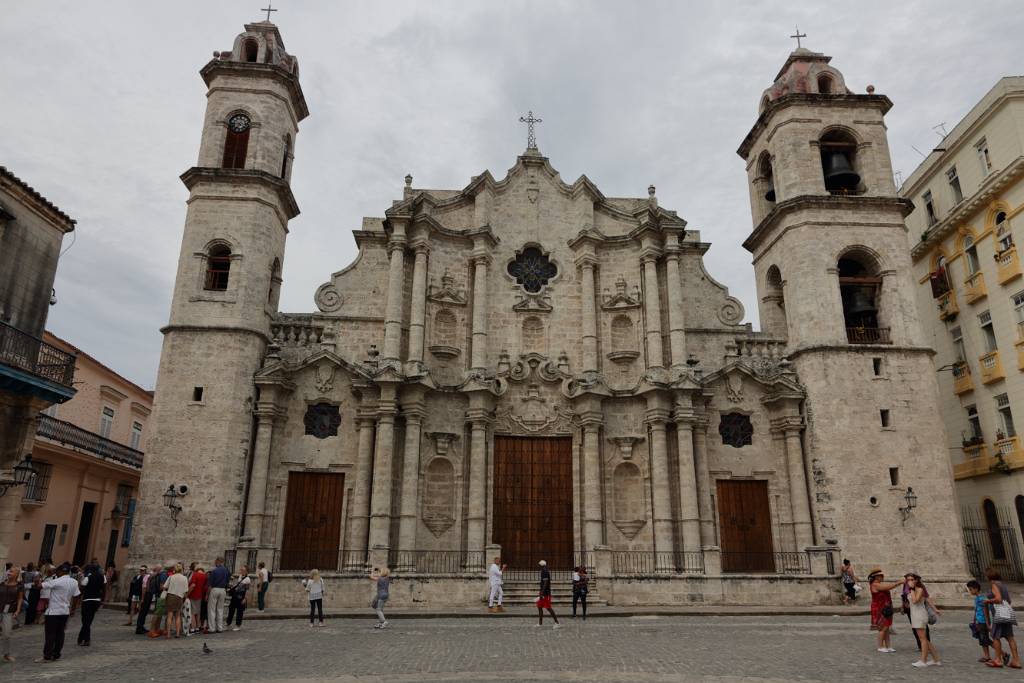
[[239, 176], [109, 393], [217, 67]]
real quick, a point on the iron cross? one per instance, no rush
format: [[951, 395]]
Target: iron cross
[[797, 35], [531, 137], [268, 9]]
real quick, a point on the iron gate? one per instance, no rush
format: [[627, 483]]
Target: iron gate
[[994, 547]]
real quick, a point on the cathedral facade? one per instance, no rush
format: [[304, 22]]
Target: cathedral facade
[[528, 367]]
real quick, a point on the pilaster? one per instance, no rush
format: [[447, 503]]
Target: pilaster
[[481, 260], [652, 307], [396, 285], [417, 313]]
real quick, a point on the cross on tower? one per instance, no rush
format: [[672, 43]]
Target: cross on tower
[[531, 137], [268, 9], [798, 36]]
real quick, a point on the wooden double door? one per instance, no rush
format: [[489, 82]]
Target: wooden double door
[[312, 521], [532, 516], [745, 526]]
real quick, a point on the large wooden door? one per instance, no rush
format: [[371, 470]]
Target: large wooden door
[[312, 521], [533, 501], [745, 526]]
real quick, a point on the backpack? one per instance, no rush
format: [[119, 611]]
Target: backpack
[[270, 577]]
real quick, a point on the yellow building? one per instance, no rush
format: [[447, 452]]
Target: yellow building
[[88, 458], [969, 197]]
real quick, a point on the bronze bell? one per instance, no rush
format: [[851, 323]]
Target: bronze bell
[[862, 300], [770, 194], [839, 175]]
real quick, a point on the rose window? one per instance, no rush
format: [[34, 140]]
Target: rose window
[[532, 269]]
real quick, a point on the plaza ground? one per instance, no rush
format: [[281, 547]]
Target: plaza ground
[[650, 648]]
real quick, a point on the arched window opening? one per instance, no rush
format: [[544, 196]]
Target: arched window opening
[[236, 144], [939, 278], [824, 84], [1003, 233], [995, 534], [533, 335], [768, 177], [250, 49], [838, 162], [971, 254], [275, 282], [218, 267], [287, 153], [859, 286]]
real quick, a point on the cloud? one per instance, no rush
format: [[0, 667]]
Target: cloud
[[103, 107]]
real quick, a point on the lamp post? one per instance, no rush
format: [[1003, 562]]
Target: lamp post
[[24, 474]]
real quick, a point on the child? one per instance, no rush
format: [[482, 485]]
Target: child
[[979, 627]]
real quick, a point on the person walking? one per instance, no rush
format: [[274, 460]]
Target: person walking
[[580, 588], [314, 585], [217, 581], [238, 593], [63, 590], [849, 579], [176, 588], [382, 579], [494, 577], [544, 599], [135, 593], [881, 608], [12, 592], [1002, 628], [196, 593], [979, 625], [919, 616], [93, 585], [263, 580]]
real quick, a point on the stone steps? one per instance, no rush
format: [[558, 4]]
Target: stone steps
[[525, 593]]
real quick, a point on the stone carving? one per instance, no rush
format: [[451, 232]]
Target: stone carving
[[535, 417], [731, 312], [532, 269], [532, 303], [447, 293], [443, 441], [328, 299], [734, 387], [324, 377], [625, 445], [620, 300]]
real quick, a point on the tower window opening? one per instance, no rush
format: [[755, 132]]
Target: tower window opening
[[287, 153], [236, 143], [218, 267], [768, 178], [197, 394], [929, 208], [876, 366], [251, 50], [275, 282], [886, 418], [825, 84], [838, 162], [859, 287], [894, 476]]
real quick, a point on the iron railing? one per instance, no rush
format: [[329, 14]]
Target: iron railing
[[72, 435], [657, 562], [743, 562], [526, 566], [868, 335], [229, 559], [31, 354], [994, 547]]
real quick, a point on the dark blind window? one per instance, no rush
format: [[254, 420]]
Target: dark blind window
[[736, 430]]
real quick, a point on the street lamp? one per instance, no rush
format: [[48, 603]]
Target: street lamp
[[171, 496], [24, 474], [911, 499]]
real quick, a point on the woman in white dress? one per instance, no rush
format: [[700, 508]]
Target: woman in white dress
[[919, 621]]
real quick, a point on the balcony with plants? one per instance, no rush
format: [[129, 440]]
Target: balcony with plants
[[962, 380], [991, 367]]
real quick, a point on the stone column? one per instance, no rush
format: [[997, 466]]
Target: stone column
[[688, 506], [355, 556], [380, 502], [396, 284], [476, 517], [256, 505], [417, 314], [587, 264], [676, 325], [700, 465], [410, 478], [593, 522], [660, 497], [803, 531], [480, 263], [652, 310]]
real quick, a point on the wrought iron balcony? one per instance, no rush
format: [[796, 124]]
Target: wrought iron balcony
[[76, 437], [868, 335], [26, 352]]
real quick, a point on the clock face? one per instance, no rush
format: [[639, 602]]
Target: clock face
[[239, 123]]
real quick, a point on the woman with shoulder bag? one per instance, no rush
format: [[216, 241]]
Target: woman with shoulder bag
[[1003, 621], [238, 592], [921, 615], [881, 608]]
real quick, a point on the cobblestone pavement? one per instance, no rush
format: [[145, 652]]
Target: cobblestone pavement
[[644, 649]]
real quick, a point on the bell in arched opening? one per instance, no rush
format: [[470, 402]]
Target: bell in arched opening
[[770, 194], [862, 300], [839, 174]]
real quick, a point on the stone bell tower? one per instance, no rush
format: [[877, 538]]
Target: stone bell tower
[[834, 277], [225, 294]]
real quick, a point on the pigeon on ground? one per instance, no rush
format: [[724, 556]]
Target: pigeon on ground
[[206, 650]]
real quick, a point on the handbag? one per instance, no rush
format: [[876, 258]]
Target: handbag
[[887, 611], [933, 616], [1002, 613], [857, 588]]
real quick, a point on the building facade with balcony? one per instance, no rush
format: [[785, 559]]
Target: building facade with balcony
[[87, 454], [969, 212], [33, 373]]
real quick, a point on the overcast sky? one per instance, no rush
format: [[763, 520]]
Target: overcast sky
[[101, 108]]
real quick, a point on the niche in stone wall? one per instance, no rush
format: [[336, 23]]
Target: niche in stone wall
[[445, 334], [628, 499], [439, 496], [532, 338], [624, 341]]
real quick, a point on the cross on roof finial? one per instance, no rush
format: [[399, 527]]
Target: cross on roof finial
[[268, 9], [798, 36], [531, 137]]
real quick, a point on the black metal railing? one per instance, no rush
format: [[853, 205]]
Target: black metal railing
[[229, 559], [29, 353], [643, 562], [868, 335], [526, 566], [766, 563], [436, 561], [72, 435]]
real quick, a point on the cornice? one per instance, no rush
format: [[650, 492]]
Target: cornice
[[197, 174], [216, 67], [32, 198]]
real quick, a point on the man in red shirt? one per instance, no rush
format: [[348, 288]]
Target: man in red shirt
[[196, 593]]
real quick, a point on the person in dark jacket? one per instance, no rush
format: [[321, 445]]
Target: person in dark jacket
[[148, 600], [93, 586], [135, 593]]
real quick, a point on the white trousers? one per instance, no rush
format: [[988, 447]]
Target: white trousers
[[496, 594], [216, 605]]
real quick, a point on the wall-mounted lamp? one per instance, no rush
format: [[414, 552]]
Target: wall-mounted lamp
[[911, 499], [24, 474], [171, 496]]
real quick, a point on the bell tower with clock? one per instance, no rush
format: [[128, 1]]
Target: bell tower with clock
[[225, 296]]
